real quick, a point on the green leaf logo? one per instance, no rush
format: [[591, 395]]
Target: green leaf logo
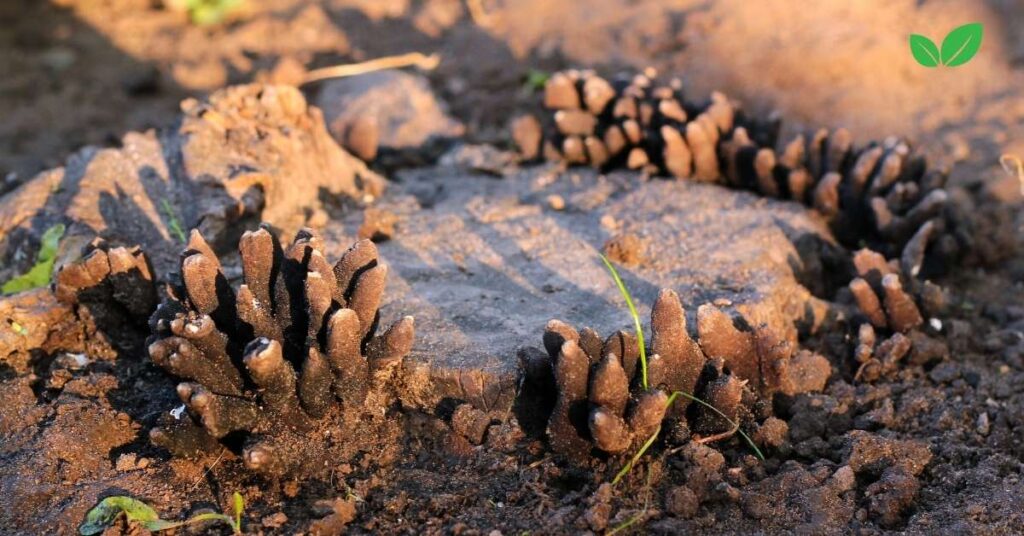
[[958, 47], [924, 50], [961, 44]]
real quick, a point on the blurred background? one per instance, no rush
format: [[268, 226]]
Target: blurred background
[[79, 72]]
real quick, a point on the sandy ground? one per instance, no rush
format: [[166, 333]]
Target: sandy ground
[[83, 72]]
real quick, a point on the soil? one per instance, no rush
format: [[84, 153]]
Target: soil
[[935, 448]]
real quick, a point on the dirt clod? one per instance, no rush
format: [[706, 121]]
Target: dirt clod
[[682, 502], [378, 224], [627, 249]]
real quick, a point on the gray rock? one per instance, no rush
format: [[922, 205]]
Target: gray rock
[[402, 107], [484, 264]]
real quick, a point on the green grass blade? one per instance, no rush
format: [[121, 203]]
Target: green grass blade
[[636, 318], [636, 457], [173, 223], [239, 508], [39, 275], [734, 424], [650, 440]]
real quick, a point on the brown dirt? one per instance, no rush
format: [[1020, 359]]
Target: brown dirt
[[83, 72]]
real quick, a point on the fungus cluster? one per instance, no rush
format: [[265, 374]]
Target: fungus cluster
[[602, 400], [894, 301], [264, 364], [881, 192]]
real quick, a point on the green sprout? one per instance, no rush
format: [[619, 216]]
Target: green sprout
[[636, 317], [206, 12], [39, 275], [643, 368], [535, 80], [110, 509], [172, 221], [636, 517]]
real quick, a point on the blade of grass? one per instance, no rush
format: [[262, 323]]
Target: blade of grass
[[734, 424], [650, 440], [636, 457], [633, 313], [172, 221], [636, 517]]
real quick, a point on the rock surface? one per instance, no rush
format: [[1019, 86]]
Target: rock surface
[[400, 109], [487, 263], [252, 152]]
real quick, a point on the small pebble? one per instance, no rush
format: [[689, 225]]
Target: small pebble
[[318, 218], [125, 462], [291, 488], [274, 521], [983, 427], [556, 202]]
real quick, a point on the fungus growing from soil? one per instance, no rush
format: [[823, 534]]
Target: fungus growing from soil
[[601, 399], [893, 299], [114, 283], [881, 192], [265, 364]]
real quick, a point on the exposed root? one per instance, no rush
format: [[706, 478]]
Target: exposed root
[[411, 59]]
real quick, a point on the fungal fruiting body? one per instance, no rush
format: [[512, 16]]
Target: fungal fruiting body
[[881, 192], [893, 299], [601, 398], [265, 363], [114, 284]]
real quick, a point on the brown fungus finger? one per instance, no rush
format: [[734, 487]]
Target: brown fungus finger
[[609, 386], [359, 258], [720, 338], [568, 419], [724, 395], [609, 430], [647, 412], [259, 264], [899, 306], [624, 345], [672, 342], [591, 343], [868, 302], [557, 333], [219, 414], [345, 357]]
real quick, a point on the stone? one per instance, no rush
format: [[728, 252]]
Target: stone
[[483, 265], [406, 111]]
